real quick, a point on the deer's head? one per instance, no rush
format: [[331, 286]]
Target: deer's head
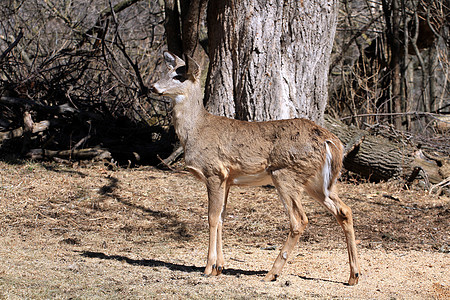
[[180, 78]]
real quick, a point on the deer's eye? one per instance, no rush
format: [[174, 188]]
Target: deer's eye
[[180, 78]]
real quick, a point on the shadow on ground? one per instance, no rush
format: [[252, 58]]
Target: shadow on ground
[[169, 265]]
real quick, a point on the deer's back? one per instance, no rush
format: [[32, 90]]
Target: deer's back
[[223, 145]]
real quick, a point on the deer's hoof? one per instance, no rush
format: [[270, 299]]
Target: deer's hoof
[[213, 271], [353, 279], [270, 277], [217, 270]]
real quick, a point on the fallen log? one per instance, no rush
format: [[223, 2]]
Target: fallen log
[[89, 153], [59, 109], [378, 158], [63, 109], [18, 132]]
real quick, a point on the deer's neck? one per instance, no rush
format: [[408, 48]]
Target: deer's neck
[[188, 112]]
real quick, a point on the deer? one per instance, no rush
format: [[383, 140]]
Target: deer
[[292, 155]]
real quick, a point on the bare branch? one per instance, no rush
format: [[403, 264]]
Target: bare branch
[[13, 44]]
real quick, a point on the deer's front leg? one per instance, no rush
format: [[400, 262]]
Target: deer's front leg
[[217, 192]]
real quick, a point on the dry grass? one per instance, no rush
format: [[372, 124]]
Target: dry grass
[[88, 232]]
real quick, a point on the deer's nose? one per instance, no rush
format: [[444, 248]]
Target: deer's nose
[[153, 89]]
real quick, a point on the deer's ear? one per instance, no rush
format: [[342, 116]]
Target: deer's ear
[[172, 60], [192, 68]]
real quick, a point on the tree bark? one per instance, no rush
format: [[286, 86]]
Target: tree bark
[[192, 14], [392, 17], [183, 29], [172, 27], [378, 158], [269, 59]]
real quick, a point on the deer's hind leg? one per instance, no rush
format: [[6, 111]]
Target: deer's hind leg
[[345, 219], [289, 191], [343, 215]]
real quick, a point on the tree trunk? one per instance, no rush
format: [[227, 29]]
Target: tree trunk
[[393, 36], [193, 12], [185, 39], [269, 59], [172, 27]]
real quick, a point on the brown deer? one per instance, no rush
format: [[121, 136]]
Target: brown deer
[[223, 152]]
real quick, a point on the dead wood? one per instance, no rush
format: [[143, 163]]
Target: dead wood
[[90, 153], [58, 109], [379, 158], [62, 109], [15, 133], [18, 132], [167, 162], [12, 46]]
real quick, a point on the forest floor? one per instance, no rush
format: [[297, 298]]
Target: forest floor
[[86, 232]]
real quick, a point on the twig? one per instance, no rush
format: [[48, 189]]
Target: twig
[[143, 89], [441, 185], [172, 157], [165, 164], [14, 44], [238, 260], [414, 174]]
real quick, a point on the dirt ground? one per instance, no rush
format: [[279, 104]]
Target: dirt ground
[[86, 232]]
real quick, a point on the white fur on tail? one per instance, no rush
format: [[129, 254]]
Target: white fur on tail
[[326, 171]]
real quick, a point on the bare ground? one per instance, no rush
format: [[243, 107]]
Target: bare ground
[[87, 232]]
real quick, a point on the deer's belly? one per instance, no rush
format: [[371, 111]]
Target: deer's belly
[[262, 178]]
